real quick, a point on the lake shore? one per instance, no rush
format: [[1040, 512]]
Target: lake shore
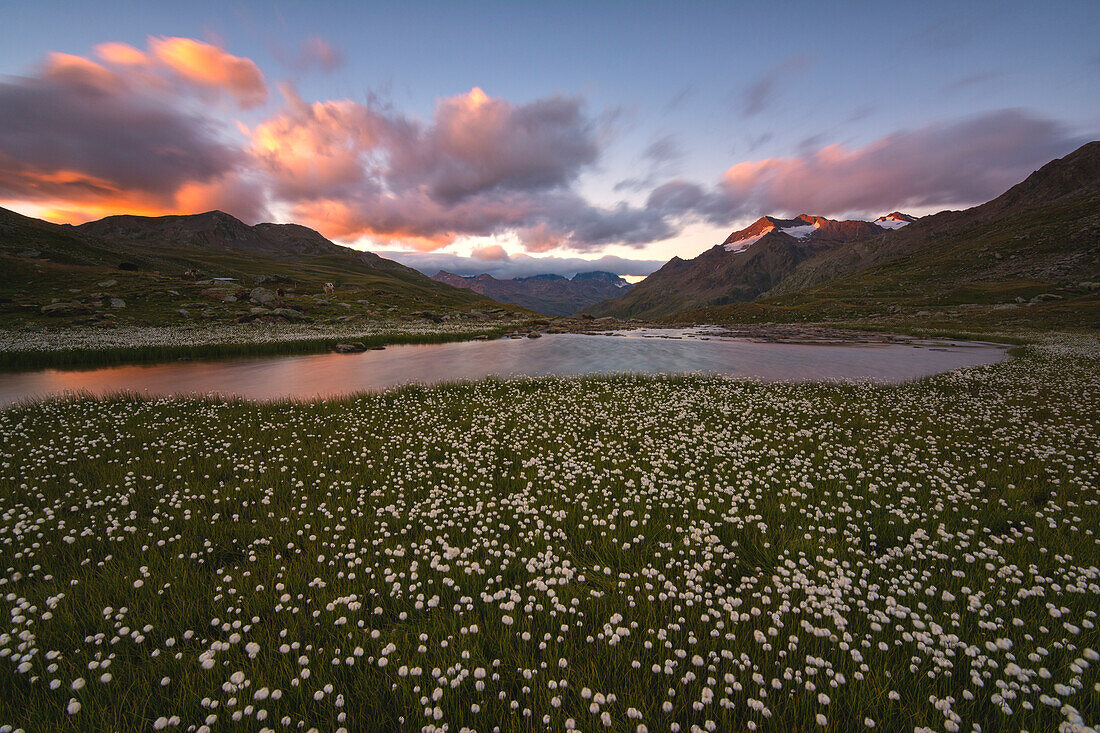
[[79, 346]]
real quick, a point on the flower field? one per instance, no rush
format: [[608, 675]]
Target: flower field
[[614, 553]]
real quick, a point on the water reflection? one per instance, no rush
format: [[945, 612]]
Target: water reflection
[[560, 354]]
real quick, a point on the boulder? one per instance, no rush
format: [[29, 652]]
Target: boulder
[[118, 303], [66, 308], [350, 348], [289, 314], [264, 297], [107, 283]]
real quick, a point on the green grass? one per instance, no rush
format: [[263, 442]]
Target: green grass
[[694, 513]]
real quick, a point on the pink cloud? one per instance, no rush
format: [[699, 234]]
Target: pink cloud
[[949, 163], [317, 52], [489, 253]]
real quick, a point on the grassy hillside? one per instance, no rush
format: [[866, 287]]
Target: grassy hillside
[[157, 280], [1037, 267]]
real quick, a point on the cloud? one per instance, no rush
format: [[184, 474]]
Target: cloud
[[185, 62], [481, 166], [83, 140], [972, 80], [207, 66], [317, 53], [490, 252], [519, 265], [761, 93], [660, 159], [951, 163]]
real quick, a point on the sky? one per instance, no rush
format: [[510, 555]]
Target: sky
[[516, 138]]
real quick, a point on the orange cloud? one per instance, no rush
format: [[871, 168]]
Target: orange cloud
[[339, 220], [122, 54], [72, 197], [315, 147], [206, 65]]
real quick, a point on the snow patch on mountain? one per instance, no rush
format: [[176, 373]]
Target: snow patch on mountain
[[742, 244], [800, 232], [894, 221]]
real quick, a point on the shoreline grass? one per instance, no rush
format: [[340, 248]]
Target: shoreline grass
[[91, 358]]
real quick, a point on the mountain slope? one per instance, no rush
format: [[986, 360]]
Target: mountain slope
[[748, 263], [1074, 176], [553, 295], [161, 270], [1028, 257]]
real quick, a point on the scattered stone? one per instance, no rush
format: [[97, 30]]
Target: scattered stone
[[264, 297], [66, 308], [32, 254], [225, 296], [259, 310], [1043, 297], [118, 303], [107, 283], [1088, 285], [269, 278], [289, 314], [534, 335]]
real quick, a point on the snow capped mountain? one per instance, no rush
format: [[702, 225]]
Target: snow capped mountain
[[809, 228], [805, 228], [800, 228], [895, 220]]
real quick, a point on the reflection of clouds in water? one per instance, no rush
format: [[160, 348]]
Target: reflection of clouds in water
[[558, 354]]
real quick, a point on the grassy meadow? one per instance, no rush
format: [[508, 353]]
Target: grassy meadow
[[614, 553]]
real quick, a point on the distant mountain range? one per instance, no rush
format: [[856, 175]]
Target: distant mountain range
[[1041, 235], [554, 295]]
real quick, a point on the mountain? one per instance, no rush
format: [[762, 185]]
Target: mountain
[[748, 263], [1030, 257], [895, 220], [1076, 176], [173, 269], [554, 295], [217, 231]]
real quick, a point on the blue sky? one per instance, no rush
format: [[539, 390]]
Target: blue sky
[[647, 94]]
